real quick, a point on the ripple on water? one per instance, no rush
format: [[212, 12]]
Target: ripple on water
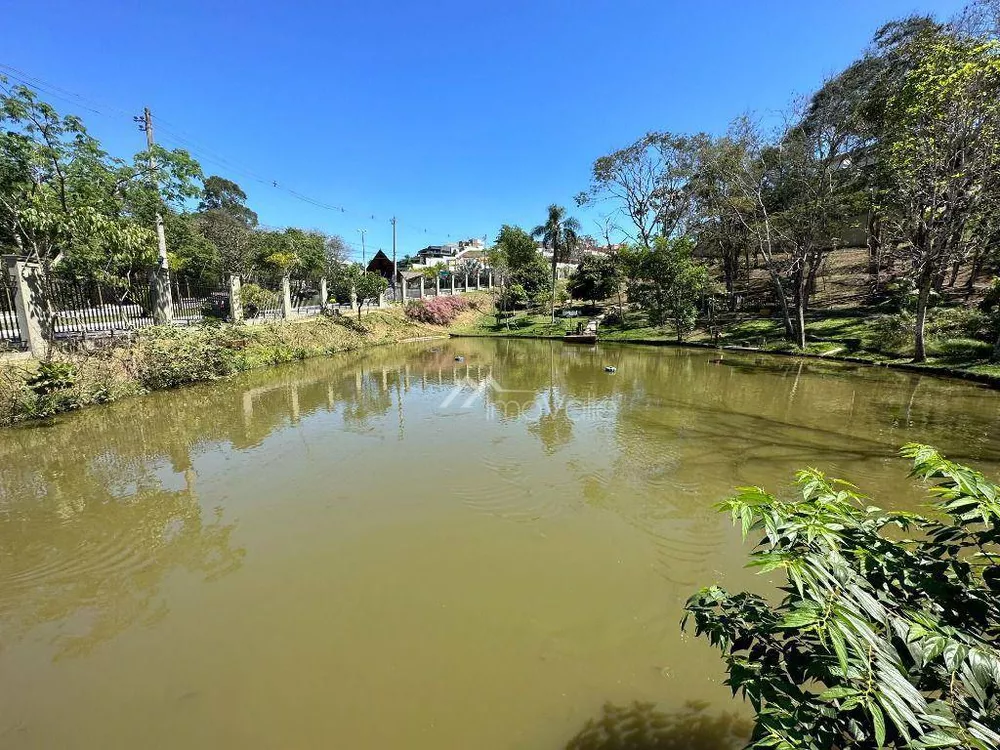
[[104, 559], [507, 492]]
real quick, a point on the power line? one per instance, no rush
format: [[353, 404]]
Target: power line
[[184, 140]]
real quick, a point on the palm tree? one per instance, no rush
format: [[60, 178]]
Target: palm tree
[[559, 234]]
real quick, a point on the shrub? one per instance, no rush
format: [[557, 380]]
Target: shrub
[[892, 332], [165, 357], [51, 389], [886, 635], [438, 311], [256, 299], [52, 376], [958, 322], [613, 318]]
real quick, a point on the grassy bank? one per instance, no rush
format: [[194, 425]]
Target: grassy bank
[[165, 357], [855, 335]]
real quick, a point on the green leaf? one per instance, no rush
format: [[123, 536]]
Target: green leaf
[[878, 719]]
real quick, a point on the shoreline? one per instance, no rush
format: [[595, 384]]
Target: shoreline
[[938, 371], [159, 359]]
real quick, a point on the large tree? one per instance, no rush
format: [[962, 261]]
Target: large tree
[[667, 282], [647, 180], [64, 199], [940, 153], [559, 234]]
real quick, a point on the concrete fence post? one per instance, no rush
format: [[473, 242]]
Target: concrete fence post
[[235, 298], [159, 287], [478, 273], [453, 284], [465, 287], [382, 301], [437, 286], [324, 294], [34, 318], [421, 287], [489, 280], [354, 298], [402, 290], [286, 297]]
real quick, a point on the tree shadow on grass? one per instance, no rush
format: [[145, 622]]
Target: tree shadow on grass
[[640, 726]]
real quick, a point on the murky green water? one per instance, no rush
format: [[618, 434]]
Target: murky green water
[[396, 549]]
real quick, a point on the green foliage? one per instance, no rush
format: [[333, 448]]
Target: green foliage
[[63, 197], [256, 299], [369, 287], [166, 357], [667, 282], [892, 332], [52, 376], [51, 389], [221, 194], [596, 278], [513, 250], [886, 632]]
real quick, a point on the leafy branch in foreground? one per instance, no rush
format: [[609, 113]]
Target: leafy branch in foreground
[[886, 634]]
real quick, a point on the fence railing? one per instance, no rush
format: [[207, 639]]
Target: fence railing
[[10, 332], [58, 307], [91, 306], [193, 301]]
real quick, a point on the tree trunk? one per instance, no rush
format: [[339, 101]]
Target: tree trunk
[[924, 294], [800, 309], [783, 301], [554, 255], [874, 249]]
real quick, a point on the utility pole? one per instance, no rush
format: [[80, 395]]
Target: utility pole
[[393, 222], [161, 238], [364, 261], [163, 311]]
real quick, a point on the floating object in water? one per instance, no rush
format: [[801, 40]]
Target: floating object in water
[[609, 368], [459, 359]]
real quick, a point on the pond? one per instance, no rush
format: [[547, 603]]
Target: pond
[[445, 544]]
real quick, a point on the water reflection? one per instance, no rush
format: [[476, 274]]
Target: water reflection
[[640, 726], [451, 508]]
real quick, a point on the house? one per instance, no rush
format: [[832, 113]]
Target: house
[[451, 254], [382, 265]]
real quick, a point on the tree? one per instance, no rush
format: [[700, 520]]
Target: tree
[[667, 282], [368, 287], [237, 244], [740, 166], [648, 178], [470, 267], [559, 234], [595, 278], [64, 199], [514, 248], [886, 634], [220, 194], [941, 156], [812, 197]]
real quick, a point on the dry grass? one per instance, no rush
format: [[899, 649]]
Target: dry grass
[[163, 357]]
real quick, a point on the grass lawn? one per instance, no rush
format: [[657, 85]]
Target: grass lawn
[[851, 334]]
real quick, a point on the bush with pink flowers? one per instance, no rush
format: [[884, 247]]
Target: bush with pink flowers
[[439, 311]]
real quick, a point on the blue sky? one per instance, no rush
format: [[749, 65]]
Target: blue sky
[[457, 117]]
